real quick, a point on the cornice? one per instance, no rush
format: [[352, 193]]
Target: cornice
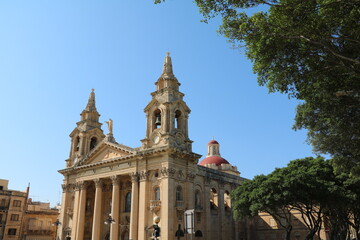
[[137, 156]]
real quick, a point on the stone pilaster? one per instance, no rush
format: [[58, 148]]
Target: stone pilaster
[[143, 204], [207, 209], [134, 206], [114, 232], [75, 212], [221, 209], [64, 205], [81, 212], [190, 190], [97, 210]]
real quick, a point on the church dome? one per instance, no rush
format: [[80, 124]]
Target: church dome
[[213, 156], [213, 142], [213, 160]]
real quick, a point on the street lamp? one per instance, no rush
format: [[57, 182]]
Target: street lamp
[[57, 223], [109, 221]]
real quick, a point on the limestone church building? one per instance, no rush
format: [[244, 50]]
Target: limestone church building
[[127, 188]]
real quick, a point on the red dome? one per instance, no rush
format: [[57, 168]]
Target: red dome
[[213, 142], [213, 159]]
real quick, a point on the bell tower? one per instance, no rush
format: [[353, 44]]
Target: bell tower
[[87, 134], [167, 114]]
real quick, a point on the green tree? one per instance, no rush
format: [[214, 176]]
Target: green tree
[[308, 186], [309, 50], [264, 194], [312, 184]]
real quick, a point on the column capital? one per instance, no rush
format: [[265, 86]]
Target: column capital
[[167, 172], [134, 177], [98, 183], [115, 180], [207, 180], [221, 185], [66, 187], [144, 175], [81, 185], [191, 176]]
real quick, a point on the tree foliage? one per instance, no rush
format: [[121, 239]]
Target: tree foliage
[[309, 50], [308, 186], [265, 194]]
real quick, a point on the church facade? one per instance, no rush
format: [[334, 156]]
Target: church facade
[[112, 191]]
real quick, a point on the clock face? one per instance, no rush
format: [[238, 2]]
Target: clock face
[[156, 139]]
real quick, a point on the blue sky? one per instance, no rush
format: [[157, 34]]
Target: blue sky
[[52, 53]]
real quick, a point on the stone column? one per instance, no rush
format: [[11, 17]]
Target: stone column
[[186, 126], [221, 211], [81, 212], [190, 190], [97, 210], [167, 119], [143, 204], [114, 231], [75, 212], [207, 210], [168, 210], [64, 206], [134, 206], [148, 125]]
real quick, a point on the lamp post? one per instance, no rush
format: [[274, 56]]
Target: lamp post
[[57, 223], [109, 221]]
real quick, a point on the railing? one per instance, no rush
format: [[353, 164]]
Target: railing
[[40, 232], [179, 204], [155, 205]]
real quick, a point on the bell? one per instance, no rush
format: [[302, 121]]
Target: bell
[[158, 120]]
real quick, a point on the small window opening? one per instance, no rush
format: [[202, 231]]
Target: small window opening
[[179, 194], [213, 198], [157, 193], [77, 144], [227, 200], [177, 119], [157, 119], [93, 142], [198, 200], [128, 202]]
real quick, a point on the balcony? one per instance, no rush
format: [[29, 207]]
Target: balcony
[[155, 205], [40, 232], [180, 205], [3, 208]]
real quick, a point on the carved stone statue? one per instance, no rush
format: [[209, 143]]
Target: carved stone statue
[[110, 125]]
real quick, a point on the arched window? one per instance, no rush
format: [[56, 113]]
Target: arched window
[[198, 199], [213, 199], [227, 200], [157, 193], [93, 142], [128, 202], [77, 144], [198, 233], [179, 196], [178, 119], [157, 119]]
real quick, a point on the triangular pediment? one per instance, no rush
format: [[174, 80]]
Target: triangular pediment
[[106, 151], [151, 104], [183, 105]]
